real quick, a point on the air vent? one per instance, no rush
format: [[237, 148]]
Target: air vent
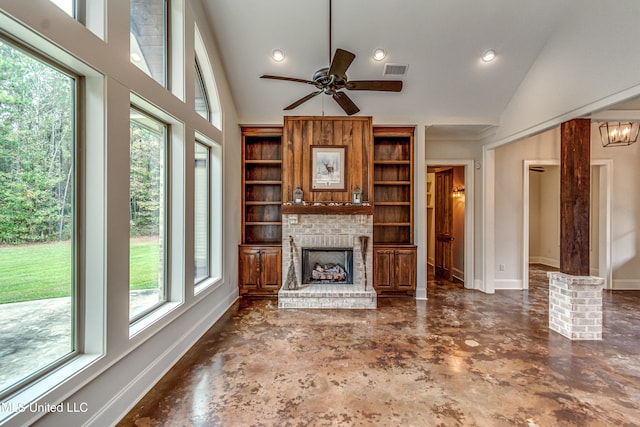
[[395, 70]]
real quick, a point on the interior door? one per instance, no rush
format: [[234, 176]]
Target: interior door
[[444, 225]]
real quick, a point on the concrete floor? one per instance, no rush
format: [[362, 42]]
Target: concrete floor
[[462, 358], [36, 333]]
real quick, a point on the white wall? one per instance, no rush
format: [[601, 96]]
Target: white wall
[[509, 161], [131, 365], [572, 75], [458, 226], [625, 216], [534, 216], [544, 218], [464, 150], [431, 224]]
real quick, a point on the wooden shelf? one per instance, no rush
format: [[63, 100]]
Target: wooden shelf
[[391, 183], [327, 210], [262, 186], [263, 182], [392, 203], [392, 162], [262, 203], [262, 162]]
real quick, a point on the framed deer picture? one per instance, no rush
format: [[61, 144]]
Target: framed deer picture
[[328, 171]]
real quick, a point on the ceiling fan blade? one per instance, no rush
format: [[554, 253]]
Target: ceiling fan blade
[[341, 61], [381, 85], [302, 100], [346, 103], [289, 79]]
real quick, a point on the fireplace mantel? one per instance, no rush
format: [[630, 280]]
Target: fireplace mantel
[[327, 209]]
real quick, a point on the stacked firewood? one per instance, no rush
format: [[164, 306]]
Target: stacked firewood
[[333, 272]]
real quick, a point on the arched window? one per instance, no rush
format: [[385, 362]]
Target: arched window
[[205, 83], [202, 103]]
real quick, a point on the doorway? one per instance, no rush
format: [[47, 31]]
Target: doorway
[[449, 220], [541, 230]]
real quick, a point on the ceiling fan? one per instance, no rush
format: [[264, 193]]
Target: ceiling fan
[[333, 79]]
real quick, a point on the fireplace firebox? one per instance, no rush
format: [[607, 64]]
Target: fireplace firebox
[[327, 265]]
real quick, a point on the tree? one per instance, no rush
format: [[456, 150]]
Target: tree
[[36, 149], [146, 179]]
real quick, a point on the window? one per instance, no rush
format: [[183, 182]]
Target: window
[[205, 83], [148, 38], [202, 103], [202, 218], [147, 214], [37, 217], [207, 213]]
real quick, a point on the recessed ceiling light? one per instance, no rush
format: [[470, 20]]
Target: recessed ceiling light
[[135, 57], [379, 54], [277, 55], [489, 55]]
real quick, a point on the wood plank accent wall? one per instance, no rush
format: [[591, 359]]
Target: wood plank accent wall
[[301, 132], [575, 170]]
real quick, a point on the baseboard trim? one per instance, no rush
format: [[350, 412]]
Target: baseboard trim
[[120, 405], [550, 262], [507, 284], [458, 274], [626, 285], [478, 285]]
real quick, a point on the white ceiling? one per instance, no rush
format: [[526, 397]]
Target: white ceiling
[[440, 40]]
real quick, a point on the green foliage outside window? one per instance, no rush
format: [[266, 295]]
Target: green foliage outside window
[[36, 150]]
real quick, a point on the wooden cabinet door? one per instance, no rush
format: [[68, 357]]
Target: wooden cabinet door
[[249, 266], [271, 268], [405, 269], [383, 269]]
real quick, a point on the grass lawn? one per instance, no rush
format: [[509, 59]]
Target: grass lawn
[[40, 271]]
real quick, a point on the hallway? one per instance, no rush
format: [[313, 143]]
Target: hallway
[[460, 358]]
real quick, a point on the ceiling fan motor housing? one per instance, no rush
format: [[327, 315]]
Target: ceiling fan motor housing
[[323, 79], [330, 80]]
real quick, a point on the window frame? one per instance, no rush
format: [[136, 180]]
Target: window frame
[[197, 281], [166, 267], [216, 216], [77, 222], [199, 78], [208, 80], [166, 51]]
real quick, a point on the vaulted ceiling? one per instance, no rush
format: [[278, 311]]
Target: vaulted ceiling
[[441, 41]]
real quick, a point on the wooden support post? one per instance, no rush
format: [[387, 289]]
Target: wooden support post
[[575, 168]]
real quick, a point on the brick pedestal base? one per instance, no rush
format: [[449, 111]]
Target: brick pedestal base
[[575, 306]]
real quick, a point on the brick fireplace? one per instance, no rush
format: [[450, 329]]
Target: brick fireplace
[[332, 232]]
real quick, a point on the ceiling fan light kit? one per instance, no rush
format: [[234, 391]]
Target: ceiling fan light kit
[[332, 80]]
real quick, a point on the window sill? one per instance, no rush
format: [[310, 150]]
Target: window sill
[[209, 283], [27, 399], [151, 318]]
